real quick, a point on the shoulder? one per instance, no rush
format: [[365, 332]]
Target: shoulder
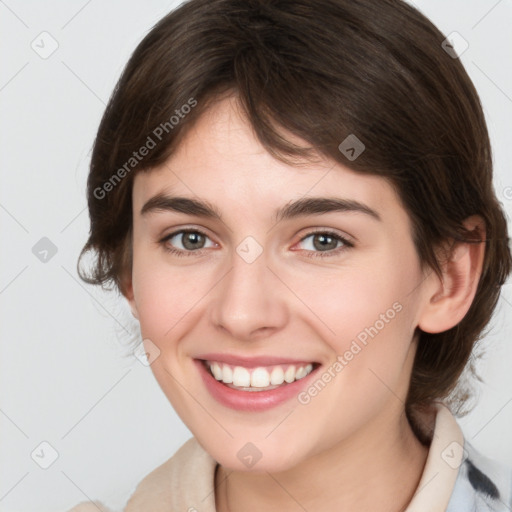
[[482, 484], [90, 506], [185, 481]]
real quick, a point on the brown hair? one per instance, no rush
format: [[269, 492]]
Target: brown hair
[[322, 70]]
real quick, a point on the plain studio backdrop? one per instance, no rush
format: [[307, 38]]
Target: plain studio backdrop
[[72, 397]]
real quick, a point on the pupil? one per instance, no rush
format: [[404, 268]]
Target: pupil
[[190, 239], [324, 242]]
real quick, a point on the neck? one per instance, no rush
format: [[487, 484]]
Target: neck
[[378, 468]]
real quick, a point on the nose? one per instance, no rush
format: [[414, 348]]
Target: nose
[[250, 302]]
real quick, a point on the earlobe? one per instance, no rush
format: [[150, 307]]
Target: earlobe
[[452, 296], [127, 291]]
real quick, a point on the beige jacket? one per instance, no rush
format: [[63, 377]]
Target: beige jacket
[[185, 483]]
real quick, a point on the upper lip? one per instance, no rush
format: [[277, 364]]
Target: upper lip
[[251, 362]]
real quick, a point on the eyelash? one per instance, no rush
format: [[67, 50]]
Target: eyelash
[[309, 254]]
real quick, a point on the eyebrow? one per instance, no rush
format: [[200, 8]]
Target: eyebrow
[[305, 206]]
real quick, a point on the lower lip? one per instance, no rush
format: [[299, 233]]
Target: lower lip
[[251, 400]]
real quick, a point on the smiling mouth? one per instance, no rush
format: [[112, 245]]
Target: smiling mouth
[[261, 378]]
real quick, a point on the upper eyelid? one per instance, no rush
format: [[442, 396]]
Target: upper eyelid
[[173, 233]]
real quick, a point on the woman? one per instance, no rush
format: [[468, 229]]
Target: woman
[[296, 200]]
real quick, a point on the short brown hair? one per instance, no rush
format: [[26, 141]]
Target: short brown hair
[[323, 70]]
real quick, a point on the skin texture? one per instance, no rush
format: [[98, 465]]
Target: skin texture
[[325, 454]]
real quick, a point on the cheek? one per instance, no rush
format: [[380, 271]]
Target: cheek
[[167, 296], [370, 318], [374, 302]]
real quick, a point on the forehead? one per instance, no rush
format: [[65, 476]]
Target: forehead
[[221, 160]]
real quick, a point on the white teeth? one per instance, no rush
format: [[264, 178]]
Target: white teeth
[[277, 376], [227, 374], [258, 377], [289, 374], [309, 368], [217, 371], [303, 371], [241, 377], [300, 373]]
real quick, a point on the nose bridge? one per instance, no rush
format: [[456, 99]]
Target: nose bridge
[[248, 301]]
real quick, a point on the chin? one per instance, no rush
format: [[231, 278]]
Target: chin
[[254, 457]]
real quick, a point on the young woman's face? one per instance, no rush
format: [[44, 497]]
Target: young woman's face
[[254, 288]]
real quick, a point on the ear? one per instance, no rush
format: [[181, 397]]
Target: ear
[[127, 291], [450, 298], [125, 278]]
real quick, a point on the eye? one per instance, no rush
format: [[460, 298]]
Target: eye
[[324, 244], [191, 240]]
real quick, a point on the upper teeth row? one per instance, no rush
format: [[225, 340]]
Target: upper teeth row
[[257, 377]]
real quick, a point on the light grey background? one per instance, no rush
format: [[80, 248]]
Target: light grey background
[[66, 377]]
